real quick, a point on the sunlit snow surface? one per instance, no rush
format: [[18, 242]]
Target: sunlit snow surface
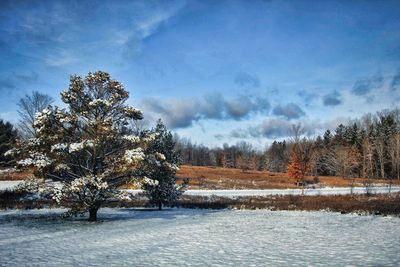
[[182, 237], [233, 193]]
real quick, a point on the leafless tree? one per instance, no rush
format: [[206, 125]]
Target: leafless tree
[[343, 160], [28, 106], [379, 144], [296, 131], [367, 158], [394, 152]]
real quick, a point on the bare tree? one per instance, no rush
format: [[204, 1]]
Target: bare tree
[[394, 152], [28, 106], [296, 131], [347, 160], [380, 152], [367, 158]]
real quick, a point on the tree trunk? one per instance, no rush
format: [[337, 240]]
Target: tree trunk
[[159, 205], [93, 214]]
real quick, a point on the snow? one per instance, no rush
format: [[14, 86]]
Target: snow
[[232, 193], [9, 184], [307, 192], [181, 237], [260, 192]]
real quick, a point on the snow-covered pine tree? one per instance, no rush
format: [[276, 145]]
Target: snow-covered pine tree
[[87, 147], [159, 185]]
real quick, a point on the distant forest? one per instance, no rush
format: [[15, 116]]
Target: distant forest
[[368, 147]]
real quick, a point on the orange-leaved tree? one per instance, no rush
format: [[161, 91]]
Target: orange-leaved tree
[[294, 167]]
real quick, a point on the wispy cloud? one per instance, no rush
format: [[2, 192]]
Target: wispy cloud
[[61, 57], [145, 24], [61, 32]]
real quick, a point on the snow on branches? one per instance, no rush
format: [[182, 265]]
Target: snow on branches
[[88, 147], [161, 165]]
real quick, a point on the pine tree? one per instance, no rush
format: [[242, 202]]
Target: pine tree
[[88, 147], [8, 137], [159, 184]]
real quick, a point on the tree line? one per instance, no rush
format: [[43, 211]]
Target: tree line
[[367, 147]]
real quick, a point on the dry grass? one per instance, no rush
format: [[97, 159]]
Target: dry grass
[[6, 175], [381, 204], [226, 178]]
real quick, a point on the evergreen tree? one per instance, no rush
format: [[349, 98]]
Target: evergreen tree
[[8, 137], [159, 184], [88, 147], [327, 137]]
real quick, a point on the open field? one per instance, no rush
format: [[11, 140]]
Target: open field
[[224, 178]]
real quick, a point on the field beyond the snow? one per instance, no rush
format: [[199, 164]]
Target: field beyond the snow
[[227, 178]]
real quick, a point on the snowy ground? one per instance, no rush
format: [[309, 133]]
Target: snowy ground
[[181, 237], [264, 192], [9, 184], [307, 192], [270, 192]]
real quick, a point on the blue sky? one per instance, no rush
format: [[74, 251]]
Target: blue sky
[[214, 71]]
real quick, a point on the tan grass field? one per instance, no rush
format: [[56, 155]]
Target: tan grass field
[[227, 178]]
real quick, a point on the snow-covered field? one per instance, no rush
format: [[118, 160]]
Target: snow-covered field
[[9, 184], [270, 192], [181, 237], [307, 192], [264, 192]]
